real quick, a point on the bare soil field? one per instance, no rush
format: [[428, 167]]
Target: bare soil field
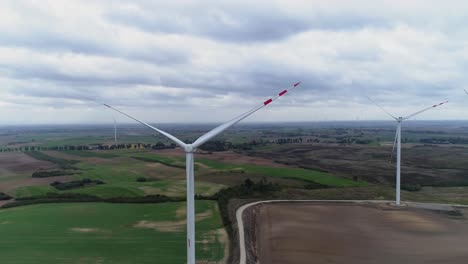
[[16, 169], [13, 163], [11, 185], [336, 233]]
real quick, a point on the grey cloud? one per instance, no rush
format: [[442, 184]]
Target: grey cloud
[[54, 75], [234, 23], [248, 29], [49, 42], [260, 70]]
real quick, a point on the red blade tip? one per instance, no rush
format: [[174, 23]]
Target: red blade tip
[[267, 101], [297, 84], [283, 92]]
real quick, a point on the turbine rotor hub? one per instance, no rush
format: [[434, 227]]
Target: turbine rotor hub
[[189, 148]]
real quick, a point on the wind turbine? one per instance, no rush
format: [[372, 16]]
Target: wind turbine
[[115, 131], [189, 151], [397, 141]]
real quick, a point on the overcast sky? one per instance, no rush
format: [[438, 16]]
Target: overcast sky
[[207, 61]]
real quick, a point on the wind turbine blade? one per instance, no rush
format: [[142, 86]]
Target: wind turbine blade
[[171, 137], [465, 91], [381, 108], [394, 144], [424, 110], [216, 131]]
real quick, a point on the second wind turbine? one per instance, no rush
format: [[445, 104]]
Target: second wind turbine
[[397, 141]]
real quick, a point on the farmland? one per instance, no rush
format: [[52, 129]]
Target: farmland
[[108, 233], [291, 155], [296, 161], [296, 233]]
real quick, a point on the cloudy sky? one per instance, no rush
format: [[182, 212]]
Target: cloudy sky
[[207, 61]]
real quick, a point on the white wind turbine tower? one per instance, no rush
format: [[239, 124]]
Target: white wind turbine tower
[[189, 150], [115, 131], [398, 141]]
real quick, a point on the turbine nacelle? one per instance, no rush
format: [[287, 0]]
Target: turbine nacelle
[[189, 148]]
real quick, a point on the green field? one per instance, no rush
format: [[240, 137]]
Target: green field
[[172, 188], [292, 173], [90, 154], [63, 163], [28, 191], [168, 161], [108, 233], [121, 181], [155, 233]]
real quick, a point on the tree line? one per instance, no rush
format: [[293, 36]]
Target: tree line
[[217, 145], [158, 145]]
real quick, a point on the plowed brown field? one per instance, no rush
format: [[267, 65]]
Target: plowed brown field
[[334, 233]]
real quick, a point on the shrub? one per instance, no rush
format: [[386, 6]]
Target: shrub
[[80, 198], [141, 179], [74, 184], [158, 198], [4, 196], [44, 174], [411, 187], [315, 185]]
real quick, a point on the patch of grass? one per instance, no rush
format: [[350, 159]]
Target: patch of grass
[[177, 188], [62, 163], [105, 233], [125, 171], [29, 191], [457, 195], [110, 190], [171, 188], [293, 173], [58, 142], [168, 161], [121, 181], [371, 192], [91, 154]]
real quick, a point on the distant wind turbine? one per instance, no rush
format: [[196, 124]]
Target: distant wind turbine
[[115, 131], [189, 150], [398, 141]]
